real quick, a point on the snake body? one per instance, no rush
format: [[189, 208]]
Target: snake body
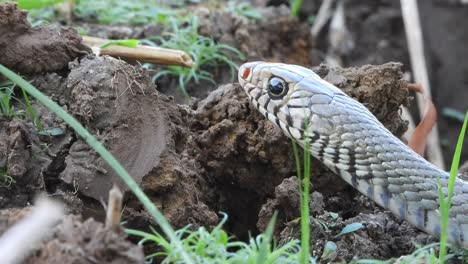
[[350, 141]]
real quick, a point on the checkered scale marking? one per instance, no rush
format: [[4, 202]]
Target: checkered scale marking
[[350, 141]]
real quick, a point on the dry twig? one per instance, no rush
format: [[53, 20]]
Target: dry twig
[[114, 209], [324, 13], [416, 49], [18, 241], [141, 53]]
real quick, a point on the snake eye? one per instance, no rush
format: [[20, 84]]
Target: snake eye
[[277, 88]]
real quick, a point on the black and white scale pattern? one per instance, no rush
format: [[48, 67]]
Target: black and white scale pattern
[[349, 140]]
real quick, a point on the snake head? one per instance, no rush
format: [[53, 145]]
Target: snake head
[[294, 98]]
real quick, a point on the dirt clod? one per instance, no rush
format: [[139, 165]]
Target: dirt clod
[[143, 129], [278, 37], [384, 235], [37, 49], [78, 242], [75, 241]]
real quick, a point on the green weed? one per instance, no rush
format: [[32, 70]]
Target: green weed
[[216, 246], [130, 43], [304, 185], [445, 202], [31, 112], [295, 6], [35, 4], [204, 51], [113, 12], [243, 9], [7, 89], [6, 96], [184, 3], [82, 31], [5, 180]]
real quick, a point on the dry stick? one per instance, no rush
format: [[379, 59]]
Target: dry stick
[[26, 235], [114, 209], [414, 38], [324, 13], [142, 53], [341, 42], [65, 9]]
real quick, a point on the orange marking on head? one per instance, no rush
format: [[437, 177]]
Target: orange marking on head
[[246, 73]]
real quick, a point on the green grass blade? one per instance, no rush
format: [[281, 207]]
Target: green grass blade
[[456, 160], [182, 82], [305, 215], [32, 4], [265, 246], [103, 152], [6, 95], [160, 74], [130, 43], [450, 186], [453, 114], [205, 52], [295, 7], [298, 166], [31, 111]]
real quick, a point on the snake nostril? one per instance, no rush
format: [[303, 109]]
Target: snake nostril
[[246, 73]]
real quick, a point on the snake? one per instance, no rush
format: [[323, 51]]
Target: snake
[[348, 139]]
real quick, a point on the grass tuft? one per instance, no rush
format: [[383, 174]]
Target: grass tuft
[[243, 10], [204, 51], [6, 95], [216, 246], [7, 109], [115, 12], [5, 180]]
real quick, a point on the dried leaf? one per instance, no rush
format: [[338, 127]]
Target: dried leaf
[[418, 140]]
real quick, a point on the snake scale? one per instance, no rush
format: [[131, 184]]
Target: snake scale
[[350, 141]]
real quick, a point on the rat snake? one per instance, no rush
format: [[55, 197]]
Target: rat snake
[[349, 140]]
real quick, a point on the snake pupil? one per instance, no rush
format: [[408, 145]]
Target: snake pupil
[[276, 87]]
